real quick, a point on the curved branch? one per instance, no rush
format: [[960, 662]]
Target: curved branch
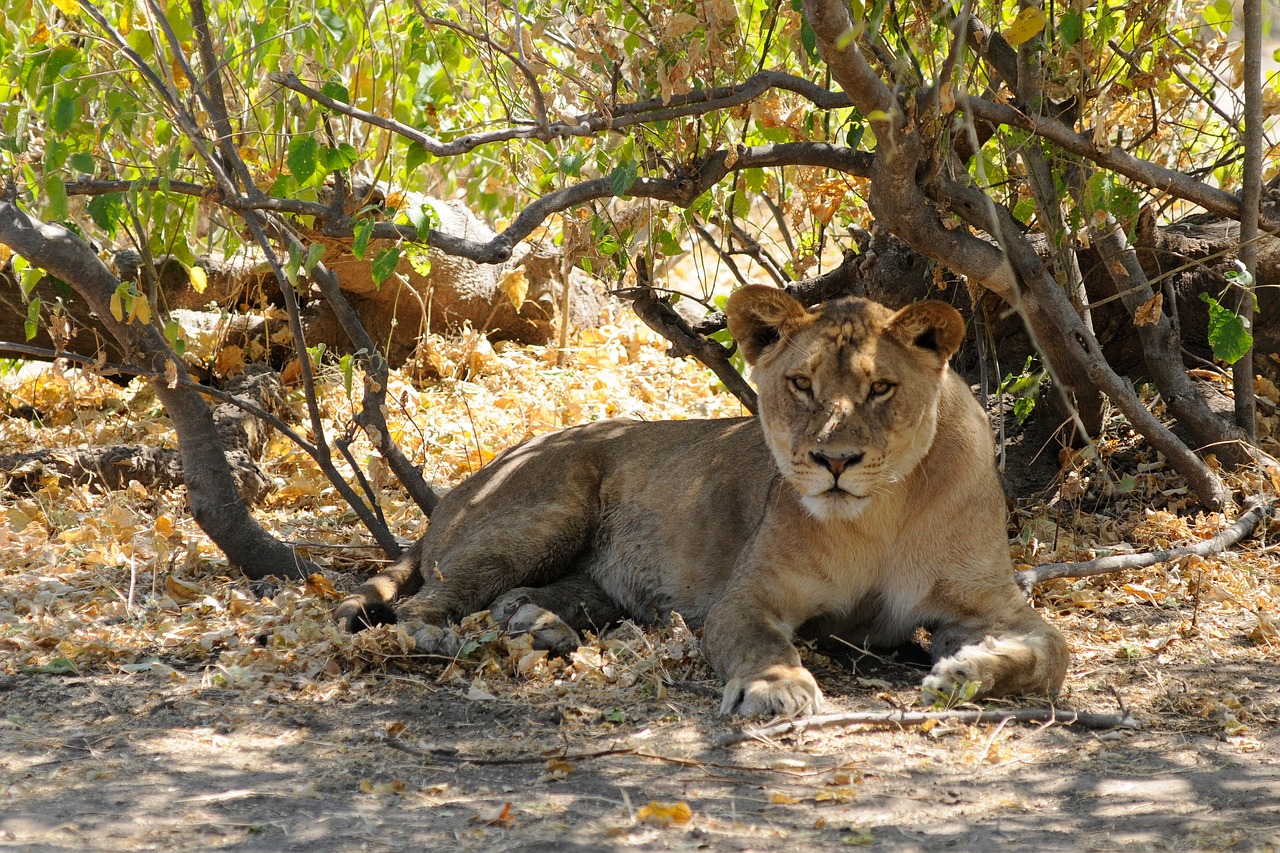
[[215, 499], [1147, 173], [588, 124], [1242, 528]]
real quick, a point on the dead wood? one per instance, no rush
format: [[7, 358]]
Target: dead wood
[[1243, 527], [1047, 716], [213, 492], [242, 435]]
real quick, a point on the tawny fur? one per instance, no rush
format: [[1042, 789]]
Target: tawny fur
[[863, 502]]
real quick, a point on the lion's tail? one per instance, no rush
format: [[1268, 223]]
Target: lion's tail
[[370, 604]]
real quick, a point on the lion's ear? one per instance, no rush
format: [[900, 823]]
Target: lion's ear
[[761, 316], [930, 325]]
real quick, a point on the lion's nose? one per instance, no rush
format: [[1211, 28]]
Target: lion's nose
[[836, 464]]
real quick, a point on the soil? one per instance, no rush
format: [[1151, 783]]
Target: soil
[[152, 699], [128, 762]]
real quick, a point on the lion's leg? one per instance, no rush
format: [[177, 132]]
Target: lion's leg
[[750, 646], [485, 548], [370, 604], [554, 614], [1013, 651]]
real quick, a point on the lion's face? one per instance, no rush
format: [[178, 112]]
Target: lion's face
[[848, 394]]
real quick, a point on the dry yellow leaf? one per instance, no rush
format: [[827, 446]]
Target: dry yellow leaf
[[515, 284], [781, 799], [70, 8], [558, 768], [199, 280], [319, 586], [181, 591], [1025, 27], [665, 814], [836, 795], [1148, 314]]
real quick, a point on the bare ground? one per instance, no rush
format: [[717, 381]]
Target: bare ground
[[125, 762], [150, 701]]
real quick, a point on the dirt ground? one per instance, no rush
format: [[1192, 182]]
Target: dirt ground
[[152, 699], [128, 762]]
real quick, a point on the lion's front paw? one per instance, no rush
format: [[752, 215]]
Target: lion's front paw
[[961, 677], [779, 691]]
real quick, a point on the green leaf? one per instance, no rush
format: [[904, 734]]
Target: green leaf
[[385, 264], [333, 22], [337, 92], [344, 364], [415, 156], [33, 316], [1070, 28], [303, 158], [854, 137], [292, 265], [623, 177], [1227, 333], [57, 666], [424, 218], [363, 230], [106, 210], [419, 259], [56, 192], [809, 39], [337, 159], [173, 334], [55, 156], [83, 162], [315, 254], [64, 110], [571, 164]]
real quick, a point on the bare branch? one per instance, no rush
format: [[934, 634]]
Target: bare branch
[[697, 102], [1256, 510], [821, 722], [1172, 182], [1251, 197]]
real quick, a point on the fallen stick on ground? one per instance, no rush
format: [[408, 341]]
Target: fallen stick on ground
[[1056, 716], [1256, 510]]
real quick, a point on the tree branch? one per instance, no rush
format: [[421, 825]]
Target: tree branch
[[215, 500], [1144, 172], [1256, 510], [821, 722], [658, 315]]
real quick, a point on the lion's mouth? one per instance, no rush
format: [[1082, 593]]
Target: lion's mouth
[[844, 494]]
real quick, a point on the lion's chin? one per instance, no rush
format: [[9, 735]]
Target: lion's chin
[[835, 505]]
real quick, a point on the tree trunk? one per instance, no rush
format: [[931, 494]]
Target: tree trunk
[[213, 493]]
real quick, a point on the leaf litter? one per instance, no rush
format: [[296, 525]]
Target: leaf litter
[[121, 588]]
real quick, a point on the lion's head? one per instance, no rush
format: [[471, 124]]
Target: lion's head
[[848, 391]]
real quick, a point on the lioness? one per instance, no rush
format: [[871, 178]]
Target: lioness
[[863, 502]]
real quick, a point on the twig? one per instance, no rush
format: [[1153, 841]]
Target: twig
[[658, 315], [822, 722], [1257, 509]]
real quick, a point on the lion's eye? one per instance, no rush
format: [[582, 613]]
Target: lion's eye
[[880, 388], [803, 384]]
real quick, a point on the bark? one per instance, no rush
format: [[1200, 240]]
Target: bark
[[901, 204], [212, 491], [242, 436]]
